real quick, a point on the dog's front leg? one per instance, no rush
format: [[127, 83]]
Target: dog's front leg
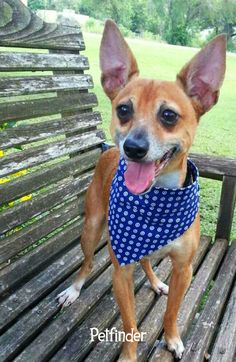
[[124, 294], [180, 280]]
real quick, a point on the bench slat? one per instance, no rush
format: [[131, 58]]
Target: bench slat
[[22, 239], [15, 273], [224, 348], [10, 61], [25, 29], [43, 345], [214, 167], [32, 322], [150, 325], [43, 282], [107, 352], [22, 135], [70, 318], [191, 301], [15, 86], [46, 176], [37, 155], [36, 316], [60, 193], [15, 111], [79, 343], [198, 343]]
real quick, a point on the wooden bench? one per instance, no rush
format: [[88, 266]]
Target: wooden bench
[[52, 142]]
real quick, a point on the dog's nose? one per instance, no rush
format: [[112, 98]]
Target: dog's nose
[[136, 149]]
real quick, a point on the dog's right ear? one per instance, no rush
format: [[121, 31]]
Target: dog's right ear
[[117, 62]]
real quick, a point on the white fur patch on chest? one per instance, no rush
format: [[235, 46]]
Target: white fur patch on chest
[[170, 180]]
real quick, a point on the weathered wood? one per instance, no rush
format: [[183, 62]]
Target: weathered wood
[[41, 284], [214, 167], [108, 351], [227, 206], [60, 193], [40, 154], [45, 343], [27, 327], [22, 239], [224, 349], [80, 343], [10, 61], [15, 273], [67, 322], [188, 309], [36, 317], [22, 28], [191, 301], [14, 86], [46, 176], [199, 341], [22, 135], [16, 111], [152, 326]]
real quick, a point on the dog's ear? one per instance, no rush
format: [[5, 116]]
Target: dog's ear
[[117, 62], [202, 77]]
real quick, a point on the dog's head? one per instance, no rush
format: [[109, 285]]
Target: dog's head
[[153, 121]]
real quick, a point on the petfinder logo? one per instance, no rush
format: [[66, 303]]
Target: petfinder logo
[[113, 335]]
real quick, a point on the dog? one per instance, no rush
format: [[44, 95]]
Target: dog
[[153, 126]]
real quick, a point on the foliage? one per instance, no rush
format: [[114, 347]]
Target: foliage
[[93, 26], [36, 4], [175, 21], [54, 4]]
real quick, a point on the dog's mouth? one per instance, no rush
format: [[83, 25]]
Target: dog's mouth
[[140, 176]]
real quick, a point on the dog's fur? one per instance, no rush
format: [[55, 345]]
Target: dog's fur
[[194, 92]]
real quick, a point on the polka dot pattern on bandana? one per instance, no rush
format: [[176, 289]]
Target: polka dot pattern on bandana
[[141, 224]]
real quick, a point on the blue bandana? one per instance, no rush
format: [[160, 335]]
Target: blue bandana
[[141, 224]]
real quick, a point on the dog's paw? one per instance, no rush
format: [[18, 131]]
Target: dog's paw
[[68, 296], [161, 288], [176, 346]]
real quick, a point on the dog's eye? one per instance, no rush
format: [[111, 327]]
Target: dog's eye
[[169, 117], [124, 112]]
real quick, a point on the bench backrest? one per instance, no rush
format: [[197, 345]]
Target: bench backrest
[[49, 141]]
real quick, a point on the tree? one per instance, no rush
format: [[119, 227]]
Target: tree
[[119, 11], [220, 15], [58, 5], [36, 4], [175, 21]]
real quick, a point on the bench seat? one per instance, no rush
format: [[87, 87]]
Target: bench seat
[[33, 327]]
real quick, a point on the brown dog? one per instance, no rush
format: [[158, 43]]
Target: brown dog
[[154, 123]]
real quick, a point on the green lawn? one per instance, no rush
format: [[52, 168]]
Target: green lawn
[[217, 130]]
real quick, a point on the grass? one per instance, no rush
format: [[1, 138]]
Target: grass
[[217, 130]]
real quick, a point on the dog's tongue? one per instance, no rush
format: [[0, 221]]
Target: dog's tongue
[[139, 176]]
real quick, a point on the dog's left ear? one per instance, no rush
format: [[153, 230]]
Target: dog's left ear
[[117, 63], [203, 76]]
